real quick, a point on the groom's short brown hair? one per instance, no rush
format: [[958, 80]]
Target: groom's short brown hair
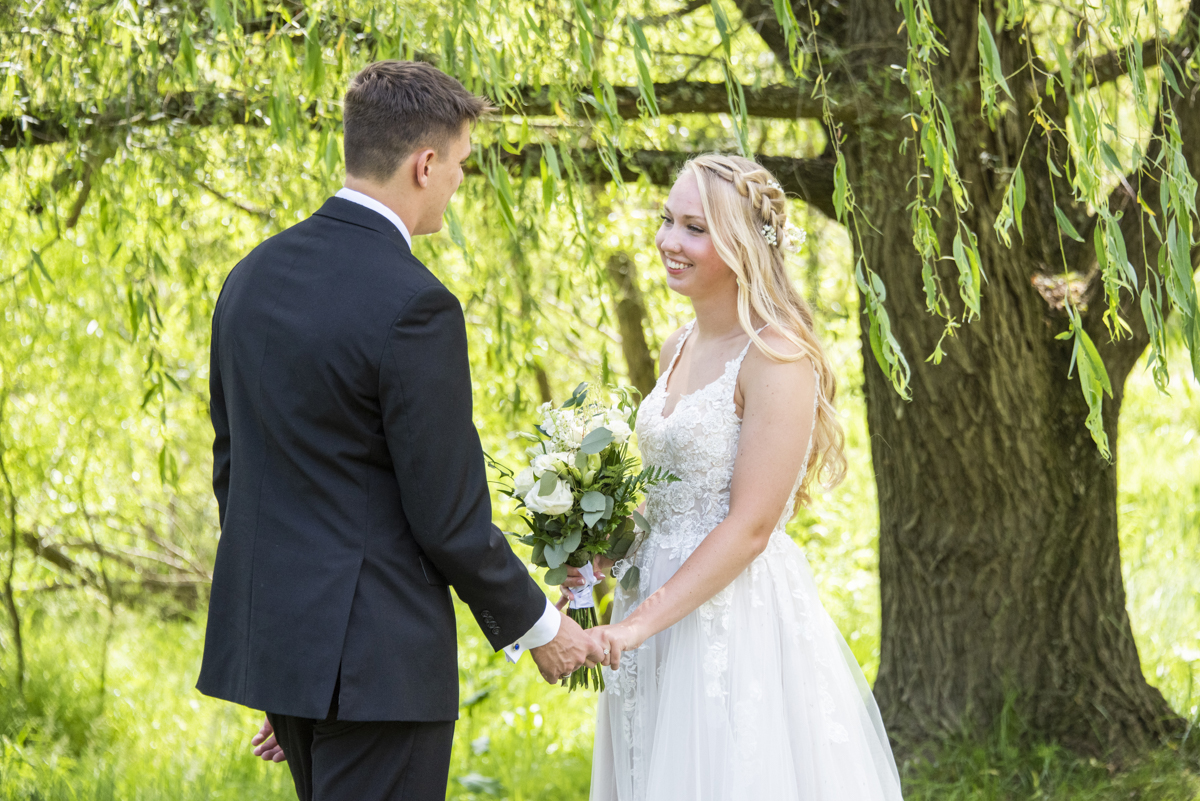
[[396, 107]]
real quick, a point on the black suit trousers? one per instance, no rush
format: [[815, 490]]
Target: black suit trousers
[[342, 760]]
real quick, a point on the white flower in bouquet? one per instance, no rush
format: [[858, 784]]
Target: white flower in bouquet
[[548, 461], [559, 501], [617, 426], [524, 481]]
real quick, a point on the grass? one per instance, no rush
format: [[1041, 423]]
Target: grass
[[109, 711]]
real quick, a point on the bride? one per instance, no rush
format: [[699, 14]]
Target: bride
[[726, 677]]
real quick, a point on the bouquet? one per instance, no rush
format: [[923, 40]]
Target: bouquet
[[579, 497]]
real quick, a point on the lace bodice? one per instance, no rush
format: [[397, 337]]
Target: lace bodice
[[698, 442]]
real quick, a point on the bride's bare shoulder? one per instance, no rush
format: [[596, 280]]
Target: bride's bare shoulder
[[759, 365]]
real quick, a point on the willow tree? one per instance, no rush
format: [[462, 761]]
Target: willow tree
[[1014, 176]]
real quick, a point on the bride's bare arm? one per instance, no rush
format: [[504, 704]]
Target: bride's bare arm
[[777, 421]]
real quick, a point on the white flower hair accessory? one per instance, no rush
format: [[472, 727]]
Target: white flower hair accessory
[[768, 232], [793, 237]]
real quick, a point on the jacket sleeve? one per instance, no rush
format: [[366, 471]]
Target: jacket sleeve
[[425, 398], [220, 422]]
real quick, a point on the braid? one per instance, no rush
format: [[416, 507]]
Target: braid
[[765, 195]]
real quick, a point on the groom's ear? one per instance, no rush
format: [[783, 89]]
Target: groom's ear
[[422, 166]]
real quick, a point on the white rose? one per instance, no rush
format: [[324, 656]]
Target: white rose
[[524, 481], [548, 461], [557, 502], [619, 429]]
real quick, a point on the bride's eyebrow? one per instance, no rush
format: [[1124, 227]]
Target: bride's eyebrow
[[667, 210]]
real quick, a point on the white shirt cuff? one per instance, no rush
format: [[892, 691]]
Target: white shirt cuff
[[545, 630]]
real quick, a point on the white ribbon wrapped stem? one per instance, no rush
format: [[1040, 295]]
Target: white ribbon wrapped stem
[[581, 597]]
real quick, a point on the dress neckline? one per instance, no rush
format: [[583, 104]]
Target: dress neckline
[[666, 376]]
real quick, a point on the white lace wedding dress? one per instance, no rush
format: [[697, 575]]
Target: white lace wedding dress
[[754, 695]]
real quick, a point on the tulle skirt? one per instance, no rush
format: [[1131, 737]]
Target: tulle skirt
[[755, 695]]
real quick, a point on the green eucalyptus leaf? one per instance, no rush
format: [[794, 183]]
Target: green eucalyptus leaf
[[596, 441], [555, 555], [593, 501], [570, 543], [630, 579]]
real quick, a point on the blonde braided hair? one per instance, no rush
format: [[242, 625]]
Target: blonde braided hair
[[739, 197]]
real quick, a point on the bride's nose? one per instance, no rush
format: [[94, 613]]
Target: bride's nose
[[668, 243]]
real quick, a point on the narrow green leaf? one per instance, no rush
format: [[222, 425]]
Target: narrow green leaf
[[1094, 360], [552, 161], [839, 187], [1110, 157], [37, 259], [1169, 74], [548, 184], [991, 55], [1019, 199], [723, 26], [314, 61], [186, 63], [1065, 226], [35, 284], [641, 51]]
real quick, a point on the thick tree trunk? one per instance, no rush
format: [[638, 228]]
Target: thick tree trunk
[[999, 560], [631, 315]]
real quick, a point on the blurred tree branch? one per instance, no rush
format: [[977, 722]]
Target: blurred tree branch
[[84, 120]]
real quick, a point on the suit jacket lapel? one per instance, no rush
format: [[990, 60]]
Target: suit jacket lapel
[[350, 212]]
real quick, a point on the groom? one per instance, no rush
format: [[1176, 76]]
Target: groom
[[349, 475]]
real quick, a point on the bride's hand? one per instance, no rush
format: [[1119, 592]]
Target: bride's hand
[[617, 639], [601, 565], [574, 579]]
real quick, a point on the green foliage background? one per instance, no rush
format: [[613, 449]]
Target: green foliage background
[[114, 244]]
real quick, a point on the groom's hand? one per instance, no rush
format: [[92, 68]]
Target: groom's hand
[[265, 744], [570, 650]]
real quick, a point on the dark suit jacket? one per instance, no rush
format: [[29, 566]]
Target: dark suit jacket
[[350, 481]]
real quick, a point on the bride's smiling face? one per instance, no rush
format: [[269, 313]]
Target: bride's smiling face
[[693, 267]]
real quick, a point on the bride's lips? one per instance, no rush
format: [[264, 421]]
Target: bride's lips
[[675, 268]]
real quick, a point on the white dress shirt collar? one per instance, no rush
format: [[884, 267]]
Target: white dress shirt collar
[[371, 203]]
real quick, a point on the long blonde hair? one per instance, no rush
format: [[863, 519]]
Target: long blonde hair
[[741, 201]]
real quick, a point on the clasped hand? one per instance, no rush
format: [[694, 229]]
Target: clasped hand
[[614, 639]]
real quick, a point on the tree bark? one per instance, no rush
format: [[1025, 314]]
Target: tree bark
[[631, 314], [999, 558], [44, 126], [1000, 570]]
